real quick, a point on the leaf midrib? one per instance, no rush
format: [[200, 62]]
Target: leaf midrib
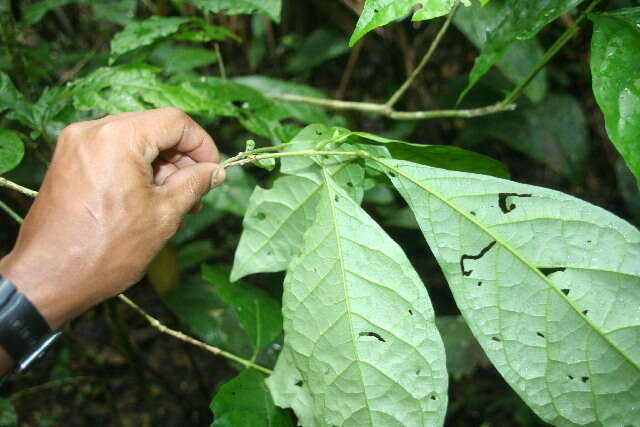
[[515, 253], [344, 285]]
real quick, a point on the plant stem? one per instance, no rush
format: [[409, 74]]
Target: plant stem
[[549, 54], [13, 186], [425, 60], [223, 72], [51, 384], [186, 338], [385, 110], [11, 212], [250, 158]]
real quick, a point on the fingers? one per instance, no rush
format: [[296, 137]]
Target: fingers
[[165, 129], [183, 189]]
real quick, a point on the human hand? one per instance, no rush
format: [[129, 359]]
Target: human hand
[[116, 191]]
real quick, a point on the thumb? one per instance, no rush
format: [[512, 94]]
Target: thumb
[[185, 187]]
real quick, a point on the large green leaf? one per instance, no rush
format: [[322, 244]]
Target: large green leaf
[[477, 21], [269, 8], [202, 310], [549, 284], [518, 20], [359, 325], [615, 66], [554, 131], [259, 314], [441, 156], [146, 32], [143, 33], [377, 13], [277, 217], [11, 150], [245, 401]]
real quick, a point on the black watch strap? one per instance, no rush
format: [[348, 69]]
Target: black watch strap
[[24, 333]]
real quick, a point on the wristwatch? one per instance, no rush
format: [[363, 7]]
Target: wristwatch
[[24, 333]]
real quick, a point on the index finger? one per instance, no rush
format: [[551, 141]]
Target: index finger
[[169, 128]]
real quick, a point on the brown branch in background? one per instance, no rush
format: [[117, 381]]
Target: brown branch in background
[[385, 110], [425, 59], [348, 71]]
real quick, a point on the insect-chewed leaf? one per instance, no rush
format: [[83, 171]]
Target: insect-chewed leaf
[[269, 8], [277, 218], [364, 348], [549, 284]]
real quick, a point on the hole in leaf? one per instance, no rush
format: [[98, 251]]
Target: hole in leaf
[[336, 198], [540, 334], [565, 291], [349, 184], [473, 213], [570, 377], [474, 257], [324, 156], [299, 383], [585, 312], [433, 397], [233, 393], [319, 133], [496, 339], [418, 371], [260, 216], [550, 270], [479, 283], [270, 253], [584, 379], [411, 312], [375, 11], [372, 334], [392, 175], [502, 201]]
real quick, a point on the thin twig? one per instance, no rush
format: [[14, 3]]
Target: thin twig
[[385, 110], [51, 384], [555, 48], [186, 338], [13, 186], [425, 59], [348, 70], [223, 72], [11, 212]]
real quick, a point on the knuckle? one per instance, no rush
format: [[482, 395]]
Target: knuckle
[[108, 129], [71, 132], [175, 113]]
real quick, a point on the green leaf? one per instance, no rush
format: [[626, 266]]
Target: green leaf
[[259, 314], [143, 33], [11, 150], [553, 131], [138, 34], [200, 307], [377, 13], [359, 325], [521, 56], [179, 59], [441, 156], [12, 99], [270, 8], [8, 416], [277, 218], [323, 45], [245, 401], [515, 20], [616, 79], [120, 12], [549, 285], [33, 13]]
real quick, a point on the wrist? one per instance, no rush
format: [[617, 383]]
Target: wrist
[[41, 291]]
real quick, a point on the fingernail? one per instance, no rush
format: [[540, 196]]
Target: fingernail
[[218, 177]]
